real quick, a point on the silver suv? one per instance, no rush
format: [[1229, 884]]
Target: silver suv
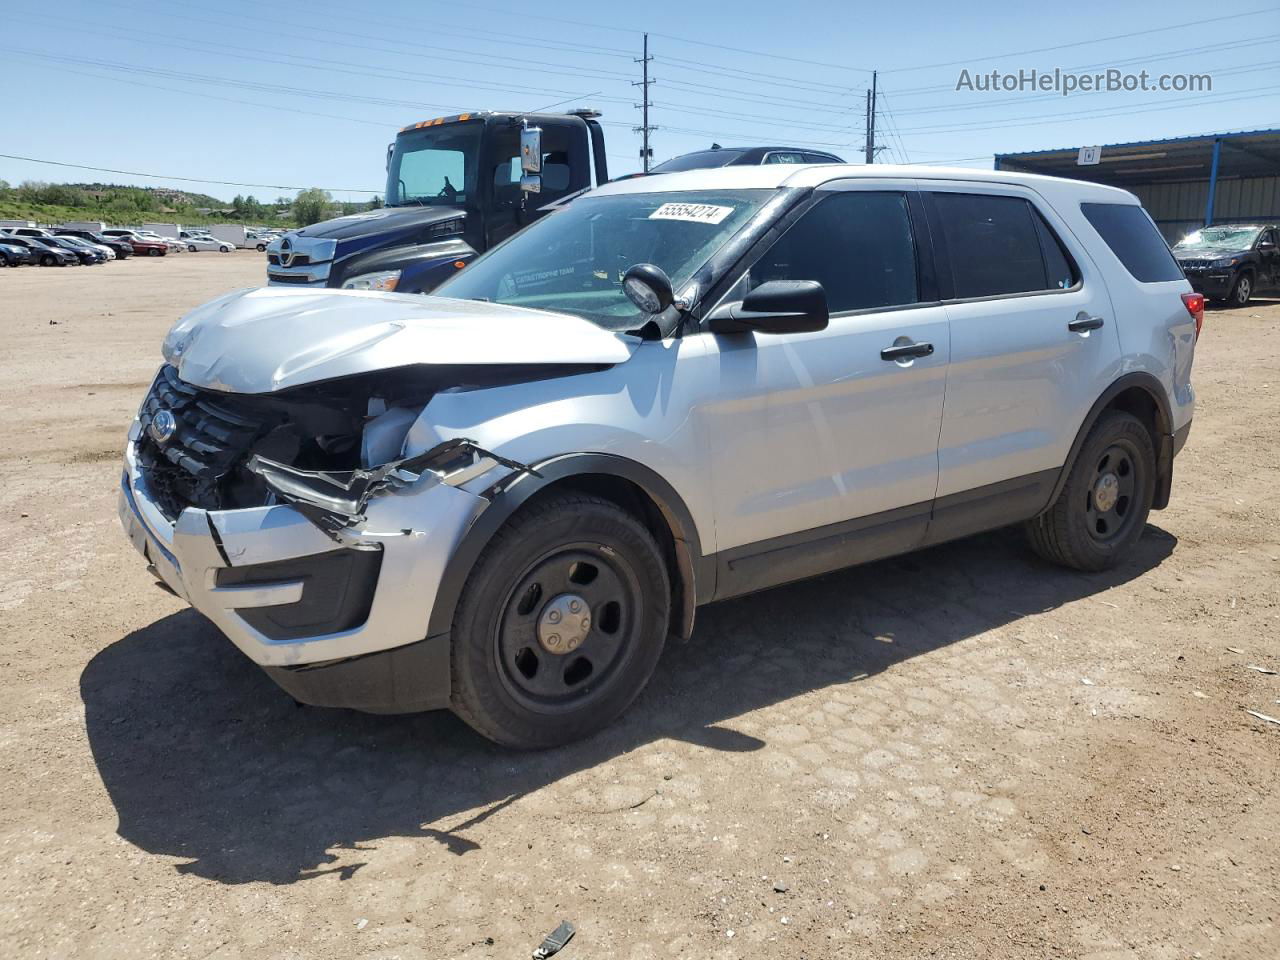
[[503, 498]]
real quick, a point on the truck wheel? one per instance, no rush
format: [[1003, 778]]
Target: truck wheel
[[560, 624], [1102, 510], [262, 248], [1242, 290]]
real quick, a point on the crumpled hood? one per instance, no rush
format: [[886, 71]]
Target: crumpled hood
[[272, 339], [1208, 253]]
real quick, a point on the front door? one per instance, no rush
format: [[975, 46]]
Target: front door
[[824, 451]]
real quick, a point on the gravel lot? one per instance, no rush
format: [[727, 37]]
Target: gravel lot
[[961, 753]]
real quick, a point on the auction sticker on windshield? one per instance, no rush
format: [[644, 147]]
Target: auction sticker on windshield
[[693, 212]]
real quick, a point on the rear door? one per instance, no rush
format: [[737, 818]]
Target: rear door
[[1033, 345], [824, 452]]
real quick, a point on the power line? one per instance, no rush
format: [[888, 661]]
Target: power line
[[1087, 114], [157, 176], [1199, 22], [1083, 114]]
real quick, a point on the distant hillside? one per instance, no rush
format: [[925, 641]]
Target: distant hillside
[[120, 204]]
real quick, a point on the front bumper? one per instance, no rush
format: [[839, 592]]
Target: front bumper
[[304, 605], [1216, 285]]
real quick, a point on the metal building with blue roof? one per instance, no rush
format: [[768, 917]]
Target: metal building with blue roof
[[1184, 182]]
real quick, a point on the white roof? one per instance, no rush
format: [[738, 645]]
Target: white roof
[[777, 175]]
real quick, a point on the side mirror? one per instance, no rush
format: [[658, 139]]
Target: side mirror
[[1266, 246], [391, 148], [776, 306], [531, 183], [648, 287]]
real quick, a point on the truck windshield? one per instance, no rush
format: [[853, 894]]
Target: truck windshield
[[573, 261], [434, 165]]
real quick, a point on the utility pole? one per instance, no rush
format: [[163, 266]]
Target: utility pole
[[646, 152], [871, 120]]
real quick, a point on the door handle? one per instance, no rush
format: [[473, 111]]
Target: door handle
[[906, 351], [1083, 323]]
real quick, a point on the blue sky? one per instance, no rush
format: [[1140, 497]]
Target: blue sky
[[309, 94]]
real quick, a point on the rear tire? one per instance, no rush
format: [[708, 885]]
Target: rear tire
[[1102, 509], [48, 260], [262, 248], [571, 552]]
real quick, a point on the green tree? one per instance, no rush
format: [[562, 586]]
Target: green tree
[[311, 206]]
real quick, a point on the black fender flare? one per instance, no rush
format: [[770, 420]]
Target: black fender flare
[[505, 498], [1164, 433]]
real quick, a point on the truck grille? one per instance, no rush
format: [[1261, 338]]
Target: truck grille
[[211, 440], [299, 260]]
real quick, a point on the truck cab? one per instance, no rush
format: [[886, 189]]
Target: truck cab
[[456, 186]]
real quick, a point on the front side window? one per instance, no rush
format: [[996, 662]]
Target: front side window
[[1134, 239], [434, 165], [573, 261], [857, 244], [994, 245]]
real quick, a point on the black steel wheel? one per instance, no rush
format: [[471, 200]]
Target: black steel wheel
[[1102, 509], [561, 623]]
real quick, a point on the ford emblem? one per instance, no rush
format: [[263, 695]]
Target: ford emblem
[[163, 426]]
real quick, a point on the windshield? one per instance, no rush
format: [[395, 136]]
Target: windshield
[[573, 261], [434, 166], [1238, 237]]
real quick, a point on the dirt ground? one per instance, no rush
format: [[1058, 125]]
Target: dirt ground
[[963, 753]]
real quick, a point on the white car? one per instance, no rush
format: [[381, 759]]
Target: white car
[[201, 241], [504, 497]]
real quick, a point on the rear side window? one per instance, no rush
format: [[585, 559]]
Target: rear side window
[[995, 247], [1060, 271], [858, 245], [1134, 239]]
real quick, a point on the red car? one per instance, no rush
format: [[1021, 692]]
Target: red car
[[141, 246]]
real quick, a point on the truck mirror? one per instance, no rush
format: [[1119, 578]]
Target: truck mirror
[[531, 150], [391, 148], [531, 184]]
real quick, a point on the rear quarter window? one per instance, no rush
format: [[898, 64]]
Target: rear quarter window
[[1134, 239]]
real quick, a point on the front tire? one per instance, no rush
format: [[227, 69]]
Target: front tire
[[1241, 291], [153, 252], [1102, 510], [560, 624]]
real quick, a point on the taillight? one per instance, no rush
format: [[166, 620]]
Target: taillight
[[1195, 306]]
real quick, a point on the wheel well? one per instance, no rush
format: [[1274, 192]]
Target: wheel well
[[637, 501], [1140, 403]]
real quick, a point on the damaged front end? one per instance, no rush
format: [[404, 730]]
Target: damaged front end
[[325, 449], [333, 500]]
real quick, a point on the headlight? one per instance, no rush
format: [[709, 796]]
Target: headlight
[[384, 281], [1225, 262]]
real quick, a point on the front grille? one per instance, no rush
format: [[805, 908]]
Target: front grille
[[299, 260], [288, 278], [1195, 264], [211, 441]]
